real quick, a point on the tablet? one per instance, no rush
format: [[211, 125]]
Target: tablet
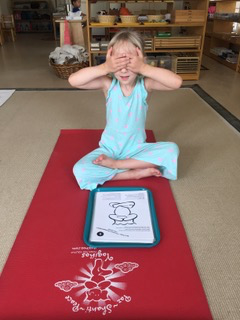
[[121, 217]]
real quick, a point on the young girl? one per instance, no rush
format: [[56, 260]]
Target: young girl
[[123, 152]]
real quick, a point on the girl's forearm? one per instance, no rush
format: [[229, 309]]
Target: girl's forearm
[[86, 75], [165, 77]]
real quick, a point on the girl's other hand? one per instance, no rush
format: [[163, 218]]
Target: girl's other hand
[[114, 63], [136, 63]]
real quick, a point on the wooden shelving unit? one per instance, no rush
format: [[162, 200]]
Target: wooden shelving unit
[[219, 32], [32, 16], [188, 28]]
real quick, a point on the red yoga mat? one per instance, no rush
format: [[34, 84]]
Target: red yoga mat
[[51, 274]]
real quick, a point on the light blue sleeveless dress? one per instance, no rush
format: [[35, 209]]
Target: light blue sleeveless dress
[[124, 137]]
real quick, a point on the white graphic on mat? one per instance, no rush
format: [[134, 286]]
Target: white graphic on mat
[[66, 285], [98, 288], [98, 283], [122, 213], [126, 267]]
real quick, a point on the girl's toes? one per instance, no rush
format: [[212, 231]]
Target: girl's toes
[[96, 161], [156, 173]]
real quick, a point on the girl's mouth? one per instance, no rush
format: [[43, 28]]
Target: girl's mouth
[[124, 78]]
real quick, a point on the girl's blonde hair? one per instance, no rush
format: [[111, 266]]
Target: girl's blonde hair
[[128, 36]]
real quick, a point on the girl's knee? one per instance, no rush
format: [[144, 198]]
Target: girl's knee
[[174, 148], [79, 170]]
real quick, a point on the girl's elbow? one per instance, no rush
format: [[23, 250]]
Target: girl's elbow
[[71, 80], [178, 82]]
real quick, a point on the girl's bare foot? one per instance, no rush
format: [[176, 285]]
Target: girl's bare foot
[[137, 174], [106, 161]]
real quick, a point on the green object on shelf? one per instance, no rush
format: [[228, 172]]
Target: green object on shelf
[[163, 34]]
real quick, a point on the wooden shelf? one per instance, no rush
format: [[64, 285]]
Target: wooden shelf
[[218, 30], [224, 62], [134, 1], [27, 10], [215, 1], [35, 20], [35, 31], [189, 76], [225, 20], [138, 25], [154, 51], [193, 29], [140, 1], [25, 21], [218, 36]]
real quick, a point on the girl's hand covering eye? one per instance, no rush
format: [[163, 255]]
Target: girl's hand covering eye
[[113, 63], [136, 62]]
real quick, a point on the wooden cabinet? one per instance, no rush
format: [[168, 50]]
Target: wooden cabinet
[[77, 31], [32, 16], [223, 33], [186, 29]]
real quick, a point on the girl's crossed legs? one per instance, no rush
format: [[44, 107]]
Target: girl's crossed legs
[[136, 169], [99, 165]]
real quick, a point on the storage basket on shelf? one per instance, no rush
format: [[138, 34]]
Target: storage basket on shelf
[[106, 19], [155, 18], [63, 71], [129, 19]]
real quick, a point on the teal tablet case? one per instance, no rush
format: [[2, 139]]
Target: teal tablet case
[[99, 244]]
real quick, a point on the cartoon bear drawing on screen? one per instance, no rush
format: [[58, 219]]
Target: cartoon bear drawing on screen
[[122, 214]]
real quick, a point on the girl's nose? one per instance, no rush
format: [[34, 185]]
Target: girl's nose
[[123, 70]]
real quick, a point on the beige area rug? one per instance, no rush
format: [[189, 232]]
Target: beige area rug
[[206, 193]]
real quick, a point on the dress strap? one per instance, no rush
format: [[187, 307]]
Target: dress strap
[[142, 87], [114, 82]]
